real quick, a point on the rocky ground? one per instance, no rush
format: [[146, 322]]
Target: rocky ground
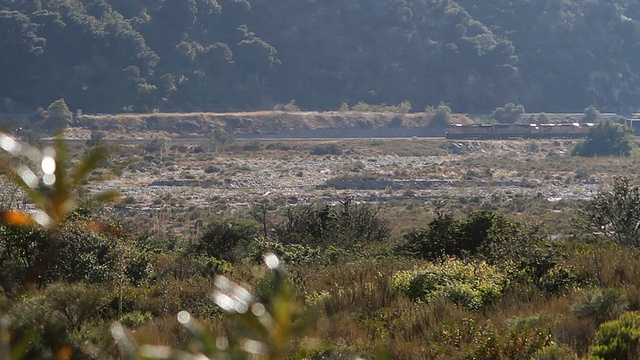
[[477, 170]]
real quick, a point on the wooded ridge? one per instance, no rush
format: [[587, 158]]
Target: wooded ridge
[[232, 55]]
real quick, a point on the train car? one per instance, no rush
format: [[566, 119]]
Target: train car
[[518, 131], [571, 131], [475, 131], [511, 131]]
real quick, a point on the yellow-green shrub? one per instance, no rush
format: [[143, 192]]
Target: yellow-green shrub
[[472, 285], [618, 339]]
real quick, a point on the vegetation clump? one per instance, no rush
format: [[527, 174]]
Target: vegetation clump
[[612, 213], [607, 138], [508, 114], [402, 108], [472, 285], [58, 116], [618, 339], [441, 117]]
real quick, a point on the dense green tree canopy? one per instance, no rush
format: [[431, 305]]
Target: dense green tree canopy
[[141, 55], [58, 115], [607, 138], [508, 114]]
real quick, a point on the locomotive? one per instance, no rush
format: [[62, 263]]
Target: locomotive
[[519, 131]]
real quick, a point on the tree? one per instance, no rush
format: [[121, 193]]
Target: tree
[[608, 138], [591, 114], [441, 117], [54, 192], [482, 232], [222, 239], [58, 116], [614, 213], [508, 114]]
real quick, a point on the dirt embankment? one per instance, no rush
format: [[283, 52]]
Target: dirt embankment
[[185, 125]]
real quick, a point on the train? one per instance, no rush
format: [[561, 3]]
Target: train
[[519, 131]]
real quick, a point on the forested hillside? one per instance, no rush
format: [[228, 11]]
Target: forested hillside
[[219, 55]]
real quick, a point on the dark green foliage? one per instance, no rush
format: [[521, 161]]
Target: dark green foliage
[[19, 249], [20, 44], [618, 339], [136, 318], [82, 256], [77, 254], [560, 279], [186, 55], [342, 225], [223, 239], [326, 149], [483, 232], [607, 138], [508, 114], [441, 116], [56, 315], [296, 254], [396, 122], [58, 116], [528, 256], [614, 213], [591, 114]]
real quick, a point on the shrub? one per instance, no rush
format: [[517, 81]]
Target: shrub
[[96, 138], [212, 169], [58, 116], [533, 146], [19, 250], [525, 337], [56, 313], [591, 114], [396, 122], [607, 138], [295, 254], [219, 137], [157, 144], [472, 285], [482, 232], [292, 107], [342, 225], [618, 339], [402, 108], [561, 279], [508, 114], [326, 149], [520, 339], [600, 305], [223, 239], [554, 352], [136, 318], [612, 213], [441, 117]]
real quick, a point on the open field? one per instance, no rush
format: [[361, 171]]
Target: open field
[[506, 175]]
